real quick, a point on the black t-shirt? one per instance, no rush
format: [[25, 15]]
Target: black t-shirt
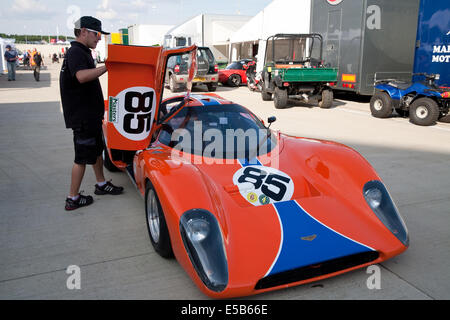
[[82, 103], [38, 59]]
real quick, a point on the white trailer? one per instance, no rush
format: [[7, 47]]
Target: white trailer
[[207, 30], [280, 16], [147, 34], [101, 49]]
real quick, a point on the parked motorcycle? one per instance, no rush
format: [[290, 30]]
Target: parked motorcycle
[[253, 77]]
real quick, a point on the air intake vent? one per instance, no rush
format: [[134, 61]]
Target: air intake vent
[[316, 270]]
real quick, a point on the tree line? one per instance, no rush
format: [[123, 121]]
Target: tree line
[[34, 38]]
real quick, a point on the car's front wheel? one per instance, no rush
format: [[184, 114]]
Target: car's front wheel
[[156, 223]]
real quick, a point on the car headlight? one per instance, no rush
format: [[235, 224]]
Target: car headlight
[[379, 200], [203, 241]]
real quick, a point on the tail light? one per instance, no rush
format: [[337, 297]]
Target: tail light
[[176, 69], [216, 68]]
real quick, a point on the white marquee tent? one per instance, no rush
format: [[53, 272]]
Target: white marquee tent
[[280, 16]]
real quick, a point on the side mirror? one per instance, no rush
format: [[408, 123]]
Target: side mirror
[[270, 120]]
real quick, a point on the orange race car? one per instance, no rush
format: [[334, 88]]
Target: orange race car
[[242, 208]]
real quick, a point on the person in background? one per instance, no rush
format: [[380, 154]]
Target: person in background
[[11, 57], [94, 56], [38, 61]]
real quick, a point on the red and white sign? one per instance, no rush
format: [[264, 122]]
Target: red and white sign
[[334, 2]]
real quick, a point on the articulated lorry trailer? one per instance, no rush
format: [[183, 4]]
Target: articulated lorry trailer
[[432, 50], [367, 39]]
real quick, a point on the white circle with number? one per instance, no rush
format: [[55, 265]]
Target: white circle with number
[[132, 111], [261, 185]]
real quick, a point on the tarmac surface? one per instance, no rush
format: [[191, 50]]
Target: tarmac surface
[[109, 242]]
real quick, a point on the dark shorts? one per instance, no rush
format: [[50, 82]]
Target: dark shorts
[[88, 144]]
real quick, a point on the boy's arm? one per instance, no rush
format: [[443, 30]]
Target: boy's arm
[[87, 75]]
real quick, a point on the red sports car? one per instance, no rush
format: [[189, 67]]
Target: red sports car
[[243, 209], [234, 74]]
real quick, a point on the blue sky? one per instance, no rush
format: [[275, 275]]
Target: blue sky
[[49, 16]]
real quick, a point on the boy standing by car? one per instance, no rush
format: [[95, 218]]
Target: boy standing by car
[[83, 106]]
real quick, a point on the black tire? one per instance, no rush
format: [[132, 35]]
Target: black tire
[[266, 96], [107, 163], [156, 223], [211, 87], [424, 112], [280, 98], [234, 80], [381, 105], [172, 84], [327, 99]]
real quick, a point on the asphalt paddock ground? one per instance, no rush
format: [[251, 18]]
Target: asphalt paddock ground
[[109, 242]]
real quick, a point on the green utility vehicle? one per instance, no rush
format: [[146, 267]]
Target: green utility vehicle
[[294, 69]]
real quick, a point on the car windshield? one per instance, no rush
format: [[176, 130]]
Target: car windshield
[[227, 131], [234, 66]]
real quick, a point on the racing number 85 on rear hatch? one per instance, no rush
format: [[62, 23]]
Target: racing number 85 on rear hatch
[[132, 112]]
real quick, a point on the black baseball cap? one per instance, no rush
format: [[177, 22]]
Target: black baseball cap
[[89, 23]]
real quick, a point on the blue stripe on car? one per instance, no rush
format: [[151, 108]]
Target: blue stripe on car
[[249, 162], [206, 100], [306, 241]]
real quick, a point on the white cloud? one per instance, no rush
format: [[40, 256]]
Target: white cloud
[[104, 4], [23, 6], [139, 3], [105, 12]]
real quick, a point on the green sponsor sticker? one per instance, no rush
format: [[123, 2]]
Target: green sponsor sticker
[[113, 110]]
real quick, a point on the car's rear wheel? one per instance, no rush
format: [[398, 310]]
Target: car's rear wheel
[[156, 223], [381, 105], [211, 86], [424, 112], [327, 99], [280, 98], [234, 80], [107, 163], [172, 84]]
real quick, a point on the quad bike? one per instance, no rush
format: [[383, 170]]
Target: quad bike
[[423, 101]]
